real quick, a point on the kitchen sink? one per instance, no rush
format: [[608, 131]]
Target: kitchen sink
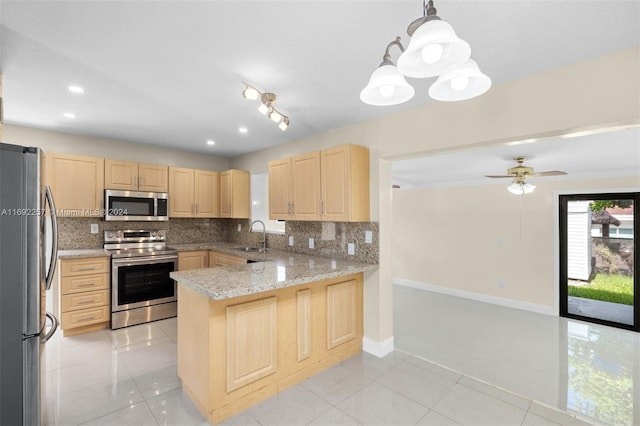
[[248, 249]]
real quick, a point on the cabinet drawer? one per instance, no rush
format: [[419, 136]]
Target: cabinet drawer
[[92, 299], [85, 317], [75, 267], [84, 283]]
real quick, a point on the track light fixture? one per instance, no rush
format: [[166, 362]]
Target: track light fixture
[[266, 105], [433, 51]]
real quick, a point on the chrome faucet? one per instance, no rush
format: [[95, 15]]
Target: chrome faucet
[[264, 234]]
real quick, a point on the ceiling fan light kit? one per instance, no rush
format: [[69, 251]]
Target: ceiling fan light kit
[[520, 173], [266, 105], [434, 50]]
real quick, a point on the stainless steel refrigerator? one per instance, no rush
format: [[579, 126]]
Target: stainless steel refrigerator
[[27, 261]]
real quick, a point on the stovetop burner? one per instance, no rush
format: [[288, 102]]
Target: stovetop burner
[[136, 243]]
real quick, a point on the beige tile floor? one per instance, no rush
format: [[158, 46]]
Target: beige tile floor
[[128, 377]]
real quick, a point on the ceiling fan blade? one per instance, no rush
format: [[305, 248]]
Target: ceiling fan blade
[[499, 176], [549, 173]]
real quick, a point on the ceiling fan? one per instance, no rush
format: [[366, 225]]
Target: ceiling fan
[[520, 173]]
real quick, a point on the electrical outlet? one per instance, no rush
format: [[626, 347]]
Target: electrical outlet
[[501, 283], [368, 237], [311, 243], [94, 228], [239, 227], [291, 240], [351, 249]]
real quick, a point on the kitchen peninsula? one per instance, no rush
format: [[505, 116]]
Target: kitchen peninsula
[[247, 332]]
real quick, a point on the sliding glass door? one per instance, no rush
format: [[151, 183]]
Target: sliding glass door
[[598, 277]]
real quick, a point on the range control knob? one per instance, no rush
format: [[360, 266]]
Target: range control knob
[[154, 234]]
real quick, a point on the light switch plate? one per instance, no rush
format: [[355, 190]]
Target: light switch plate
[[291, 240], [239, 227], [351, 249], [94, 228], [311, 243], [368, 237]]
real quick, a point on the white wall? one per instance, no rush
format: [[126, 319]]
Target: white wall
[[51, 141], [484, 240]]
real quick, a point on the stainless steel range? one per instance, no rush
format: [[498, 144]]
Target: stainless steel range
[[141, 289]]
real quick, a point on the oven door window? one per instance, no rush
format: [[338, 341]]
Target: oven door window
[[130, 206], [141, 283]]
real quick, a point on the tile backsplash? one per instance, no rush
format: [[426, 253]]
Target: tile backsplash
[[74, 232], [330, 238]]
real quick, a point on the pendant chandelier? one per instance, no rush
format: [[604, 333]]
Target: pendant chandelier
[[434, 50]]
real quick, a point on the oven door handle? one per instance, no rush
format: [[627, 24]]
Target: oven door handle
[[130, 261]]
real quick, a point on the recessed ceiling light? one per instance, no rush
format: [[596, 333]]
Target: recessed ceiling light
[[211, 142], [69, 115], [242, 130], [76, 89]]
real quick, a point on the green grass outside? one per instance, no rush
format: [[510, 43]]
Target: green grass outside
[[608, 288]]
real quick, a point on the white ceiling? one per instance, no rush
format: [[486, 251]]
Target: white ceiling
[[610, 154], [168, 72]]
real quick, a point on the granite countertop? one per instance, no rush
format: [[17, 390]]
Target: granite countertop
[[273, 270], [79, 254]]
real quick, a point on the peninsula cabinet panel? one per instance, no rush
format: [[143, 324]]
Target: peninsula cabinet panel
[[77, 183], [251, 342], [345, 184], [234, 353], [342, 313], [196, 259], [234, 194]]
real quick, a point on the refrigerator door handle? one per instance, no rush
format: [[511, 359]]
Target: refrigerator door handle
[[52, 330], [48, 195]]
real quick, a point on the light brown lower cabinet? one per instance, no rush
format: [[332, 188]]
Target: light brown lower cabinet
[[237, 352], [85, 302], [196, 259], [218, 258]]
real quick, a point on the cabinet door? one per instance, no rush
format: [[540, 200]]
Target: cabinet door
[[345, 184], [224, 259], [197, 259], [234, 194], [342, 313], [181, 201], [305, 186], [120, 175], [206, 193], [153, 177], [77, 183], [279, 189]]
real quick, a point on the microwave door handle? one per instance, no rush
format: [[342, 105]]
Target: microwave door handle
[[48, 195]]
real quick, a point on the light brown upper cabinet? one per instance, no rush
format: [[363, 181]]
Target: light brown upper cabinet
[[234, 194], [193, 193], [294, 188], [331, 185], [77, 183], [345, 183], [131, 176]]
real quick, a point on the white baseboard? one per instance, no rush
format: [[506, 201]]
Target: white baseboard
[[379, 349], [509, 303]]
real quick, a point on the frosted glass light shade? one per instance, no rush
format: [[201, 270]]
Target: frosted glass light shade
[[416, 61], [386, 87], [521, 188], [461, 83]]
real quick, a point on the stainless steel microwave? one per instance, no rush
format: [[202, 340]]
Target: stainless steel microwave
[[134, 205]]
